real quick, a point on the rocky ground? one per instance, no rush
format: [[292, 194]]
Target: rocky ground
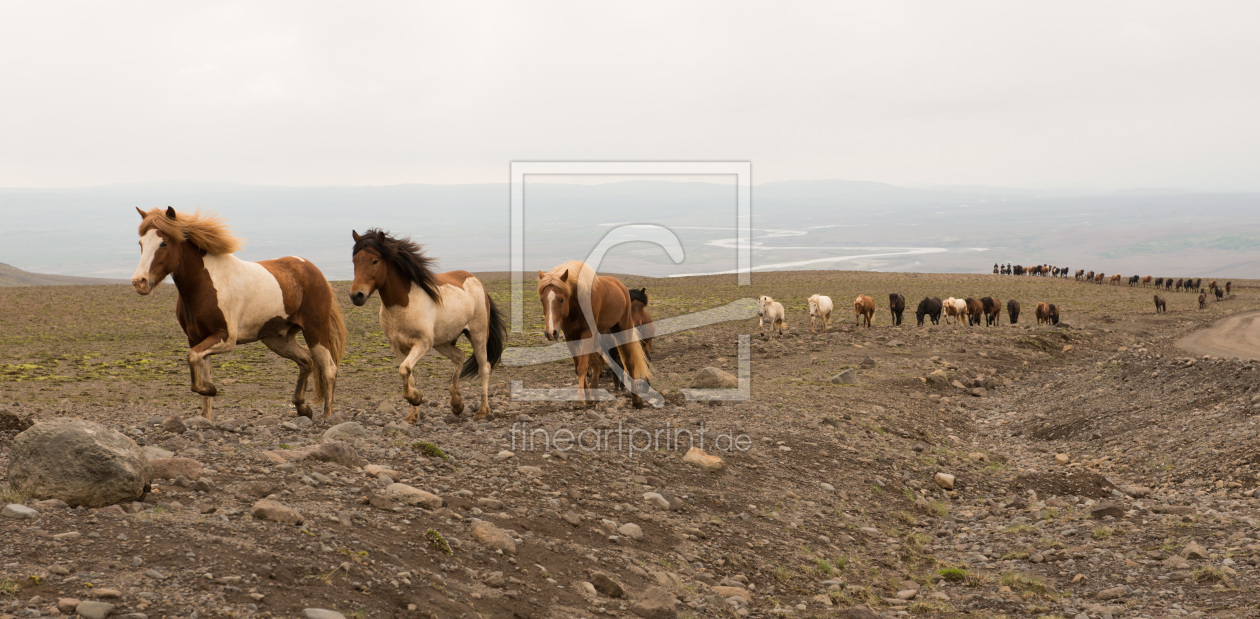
[[1087, 469]]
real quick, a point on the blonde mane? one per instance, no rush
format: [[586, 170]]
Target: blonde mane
[[205, 231], [581, 278]]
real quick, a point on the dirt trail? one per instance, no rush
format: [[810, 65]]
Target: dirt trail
[[1234, 336]]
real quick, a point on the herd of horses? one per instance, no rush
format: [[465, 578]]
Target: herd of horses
[[772, 316], [1180, 284], [224, 301]]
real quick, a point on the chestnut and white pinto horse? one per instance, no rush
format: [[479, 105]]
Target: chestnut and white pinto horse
[[770, 311], [224, 301], [956, 309], [820, 307], [421, 309]]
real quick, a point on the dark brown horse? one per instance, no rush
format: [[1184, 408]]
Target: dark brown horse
[[896, 305], [1160, 305], [992, 311], [1012, 311], [224, 301], [930, 307], [975, 311], [587, 307]]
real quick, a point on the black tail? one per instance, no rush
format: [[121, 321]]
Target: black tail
[[494, 343]]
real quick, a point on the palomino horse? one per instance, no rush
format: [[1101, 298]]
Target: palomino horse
[[772, 312], [224, 301], [421, 309], [584, 306], [820, 307]]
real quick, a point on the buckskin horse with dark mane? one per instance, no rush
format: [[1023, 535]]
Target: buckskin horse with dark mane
[[224, 301], [590, 309], [421, 309]]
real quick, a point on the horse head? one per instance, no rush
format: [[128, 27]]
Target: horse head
[[159, 249]]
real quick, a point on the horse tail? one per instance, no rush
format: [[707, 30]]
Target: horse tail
[[494, 343], [632, 354], [336, 345]]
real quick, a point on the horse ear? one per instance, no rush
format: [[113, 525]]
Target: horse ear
[[540, 274], [170, 213], [142, 213], [356, 236], [564, 277]]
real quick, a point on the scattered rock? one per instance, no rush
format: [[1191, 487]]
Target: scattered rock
[[79, 462], [944, 480], [20, 512], [698, 457], [408, 495], [630, 530], [492, 537], [607, 585], [94, 610], [1107, 508], [1112, 593], [268, 509], [320, 613], [656, 603], [174, 425], [1195, 551], [847, 377], [349, 429], [714, 378]]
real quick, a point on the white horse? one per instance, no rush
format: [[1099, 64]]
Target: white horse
[[819, 307], [771, 311]]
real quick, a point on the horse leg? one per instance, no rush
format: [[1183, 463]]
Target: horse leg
[[412, 395], [581, 366], [199, 366], [452, 352], [479, 342], [287, 346]]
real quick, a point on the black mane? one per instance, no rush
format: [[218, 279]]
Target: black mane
[[404, 254], [639, 294]]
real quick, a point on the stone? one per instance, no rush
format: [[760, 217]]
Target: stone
[[1106, 508], [503, 456], [630, 530], [94, 610], [859, 612], [490, 504], [409, 495], [174, 425], [275, 511], [1062, 459], [374, 470], [67, 605], [1112, 593], [944, 480], [714, 378], [1177, 563], [349, 429], [698, 457], [907, 594], [732, 592], [337, 452], [492, 537], [655, 499], [153, 451], [656, 603], [320, 613], [107, 594], [174, 468], [847, 377], [607, 585], [80, 462], [19, 512], [1194, 550]]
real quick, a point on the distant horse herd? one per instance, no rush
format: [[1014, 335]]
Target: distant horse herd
[[971, 312], [1180, 284]]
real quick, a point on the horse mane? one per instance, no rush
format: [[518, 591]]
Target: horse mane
[[639, 294], [578, 286], [207, 232], [405, 254]]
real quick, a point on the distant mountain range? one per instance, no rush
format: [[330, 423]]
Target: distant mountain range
[[12, 276], [796, 224]]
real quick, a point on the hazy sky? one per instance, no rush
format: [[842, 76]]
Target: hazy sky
[[1054, 94]]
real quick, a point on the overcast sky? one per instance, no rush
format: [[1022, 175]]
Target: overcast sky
[[1054, 94]]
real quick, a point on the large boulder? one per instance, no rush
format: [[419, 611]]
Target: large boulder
[[79, 462]]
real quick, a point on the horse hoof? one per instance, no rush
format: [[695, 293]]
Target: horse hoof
[[457, 408], [209, 391]]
